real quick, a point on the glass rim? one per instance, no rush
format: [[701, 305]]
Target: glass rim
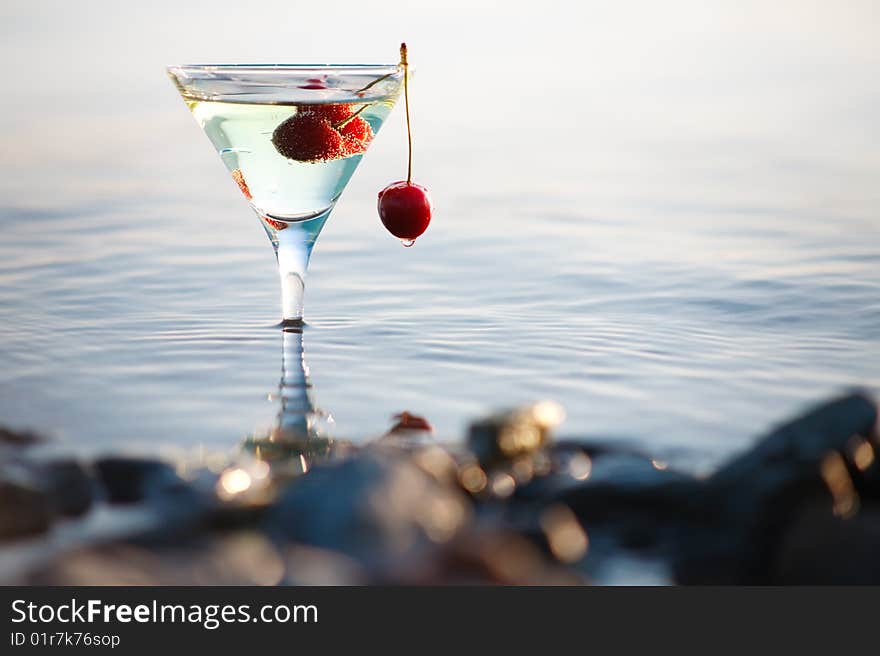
[[283, 67]]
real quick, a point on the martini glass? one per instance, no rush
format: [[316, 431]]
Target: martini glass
[[291, 136]]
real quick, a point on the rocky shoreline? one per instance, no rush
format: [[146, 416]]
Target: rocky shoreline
[[508, 505]]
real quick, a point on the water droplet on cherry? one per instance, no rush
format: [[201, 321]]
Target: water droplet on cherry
[[407, 243]]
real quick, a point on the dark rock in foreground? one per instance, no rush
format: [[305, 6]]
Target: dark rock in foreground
[[25, 508], [825, 460], [18, 438], [508, 507], [70, 486], [130, 480], [375, 508]]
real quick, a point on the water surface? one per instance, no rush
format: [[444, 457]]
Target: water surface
[[677, 238]]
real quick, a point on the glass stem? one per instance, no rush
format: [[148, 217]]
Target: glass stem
[[293, 247], [293, 262]]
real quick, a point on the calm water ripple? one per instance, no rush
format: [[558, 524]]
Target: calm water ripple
[[138, 334]]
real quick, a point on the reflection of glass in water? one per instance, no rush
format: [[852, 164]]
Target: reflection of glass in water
[[300, 428]]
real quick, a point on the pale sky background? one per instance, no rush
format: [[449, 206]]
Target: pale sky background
[[623, 84]]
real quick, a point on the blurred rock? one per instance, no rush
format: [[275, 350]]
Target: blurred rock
[[25, 508], [71, 489], [481, 557], [130, 480], [306, 565], [819, 548], [178, 508], [19, 438], [581, 472], [801, 506], [436, 461], [241, 558], [374, 508], [505, 436], [795, 449], [748, 505], [625, 499], [116, 564]]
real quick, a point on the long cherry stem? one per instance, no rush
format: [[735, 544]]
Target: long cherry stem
[[375, 82], [405, 66]]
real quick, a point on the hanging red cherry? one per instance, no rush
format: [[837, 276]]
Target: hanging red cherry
[[405, 207]]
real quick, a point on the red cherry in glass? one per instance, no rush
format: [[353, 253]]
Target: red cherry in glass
[[333, 112], [405, 209], [307, 137], [357, 134]]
